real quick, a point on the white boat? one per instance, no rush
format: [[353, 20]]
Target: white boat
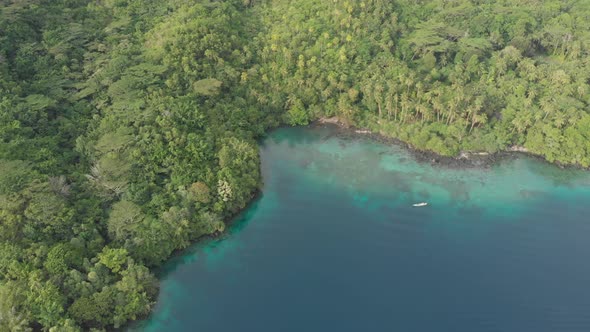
[[420, 204]]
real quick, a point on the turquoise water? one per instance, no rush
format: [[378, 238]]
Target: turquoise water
[[334, 244]]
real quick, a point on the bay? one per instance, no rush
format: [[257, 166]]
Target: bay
[[334, 244]]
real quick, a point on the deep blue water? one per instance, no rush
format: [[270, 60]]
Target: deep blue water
[[334, 244]]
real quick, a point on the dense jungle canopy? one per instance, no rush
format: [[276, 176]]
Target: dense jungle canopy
[[128, 127]]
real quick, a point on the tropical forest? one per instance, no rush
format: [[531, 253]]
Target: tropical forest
[[129, 129]]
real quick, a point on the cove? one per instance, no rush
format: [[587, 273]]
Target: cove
[[334, 244]]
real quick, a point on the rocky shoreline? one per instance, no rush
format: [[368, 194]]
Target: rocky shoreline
[[465, 159]]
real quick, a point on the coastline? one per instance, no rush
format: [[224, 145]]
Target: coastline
[[160, 272], [344, 130], [466, 159], [395, 219]]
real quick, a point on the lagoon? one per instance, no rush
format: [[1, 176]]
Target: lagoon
[[333, 243]]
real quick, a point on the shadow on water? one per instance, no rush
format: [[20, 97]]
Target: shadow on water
[[190, 254], [567, 177], [295, 138]]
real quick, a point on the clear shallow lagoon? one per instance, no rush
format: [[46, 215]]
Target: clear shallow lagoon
[[334, 244]]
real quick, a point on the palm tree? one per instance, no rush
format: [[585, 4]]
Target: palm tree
[[547, 107], [478, 118], [437, 104], [559, 119], [396, 100], [378, 95], [389, 104], [405, 104]]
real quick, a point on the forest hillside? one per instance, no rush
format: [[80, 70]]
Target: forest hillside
[[128, 128]]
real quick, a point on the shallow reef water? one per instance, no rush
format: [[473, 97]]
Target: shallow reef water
[[334, 244]]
